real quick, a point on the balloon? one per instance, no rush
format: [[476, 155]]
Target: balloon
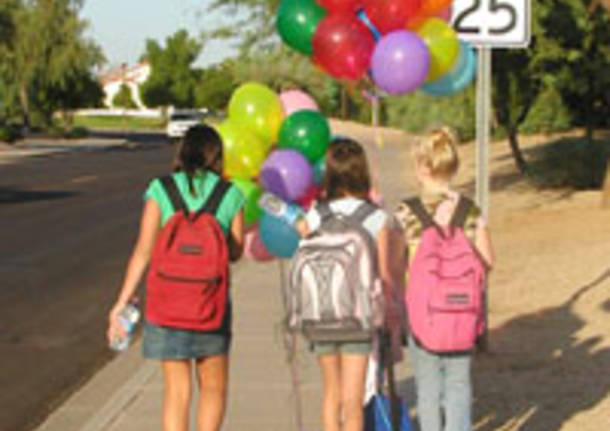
[[243, 152], [341, 6], [308, 132], [459, 77], [297, 21], [287, 174], [416, 21], [279, 238], [252, 192], [343, 45], [319, 169], [254, 249], [401, 62], [443, 44], [433, 7], [258, 108], [390, 15], [308, 199], [296, 100]]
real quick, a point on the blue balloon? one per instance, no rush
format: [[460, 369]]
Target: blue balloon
[[279, 238], [319, 169], [459, 78]]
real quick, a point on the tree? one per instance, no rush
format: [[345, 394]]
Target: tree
[[48, 52], [124, 98], [173, 79], [215, 86]]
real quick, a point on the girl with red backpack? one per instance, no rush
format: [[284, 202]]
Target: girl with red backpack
[[449, 252], [191, 227]]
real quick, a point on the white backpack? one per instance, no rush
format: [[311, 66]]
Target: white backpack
[[333, 292]]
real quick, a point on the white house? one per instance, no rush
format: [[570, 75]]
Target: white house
[[133, 77]]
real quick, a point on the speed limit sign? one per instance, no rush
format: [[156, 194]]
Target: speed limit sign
[[493, 23]]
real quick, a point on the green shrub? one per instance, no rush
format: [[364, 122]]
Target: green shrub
[[10, 133], [572, 163], [419, 112], [548, 115]]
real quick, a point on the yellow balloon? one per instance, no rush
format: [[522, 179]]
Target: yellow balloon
[[258, 108], [444, 46], [243, 151]]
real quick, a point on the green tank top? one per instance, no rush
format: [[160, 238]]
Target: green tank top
[[203, 184]]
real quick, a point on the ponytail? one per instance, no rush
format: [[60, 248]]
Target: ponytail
[[200, 150]]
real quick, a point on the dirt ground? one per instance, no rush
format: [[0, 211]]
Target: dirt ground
[[549, 362]]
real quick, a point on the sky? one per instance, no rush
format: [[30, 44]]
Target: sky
[[121, 27]]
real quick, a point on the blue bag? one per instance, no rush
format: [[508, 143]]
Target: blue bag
[[386, 413]]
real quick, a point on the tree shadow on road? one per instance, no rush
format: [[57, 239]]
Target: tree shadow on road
[[10, 195], [539, 373]]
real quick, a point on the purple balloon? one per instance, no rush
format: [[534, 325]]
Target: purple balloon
[[287, 174], [400, 63]]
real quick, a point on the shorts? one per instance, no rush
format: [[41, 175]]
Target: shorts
[[164, 343], [363, 348]]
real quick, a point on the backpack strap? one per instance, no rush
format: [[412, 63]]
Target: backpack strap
[[364, 211], [213, 203], [174, 195], [324, 210], [419, 210], [461, 212]]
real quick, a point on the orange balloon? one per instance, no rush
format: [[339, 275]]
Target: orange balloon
[[433, 7]]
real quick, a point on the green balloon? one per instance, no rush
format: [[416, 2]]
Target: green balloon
[[252, 192], [297, 21], [308, 132]]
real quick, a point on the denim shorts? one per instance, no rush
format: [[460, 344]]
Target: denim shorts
[[344, 347], [164, 343]]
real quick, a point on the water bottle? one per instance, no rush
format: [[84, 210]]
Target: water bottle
[[276, 207], [128, 319]]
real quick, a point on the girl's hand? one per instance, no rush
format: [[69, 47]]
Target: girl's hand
[[115, 329]]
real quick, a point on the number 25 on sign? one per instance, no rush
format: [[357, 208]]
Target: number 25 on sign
[[493, 23]]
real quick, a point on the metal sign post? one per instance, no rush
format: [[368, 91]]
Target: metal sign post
[[489, 24], [483, 128]]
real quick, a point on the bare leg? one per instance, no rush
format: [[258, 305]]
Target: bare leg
[[331, 377], [353, 376], [213, 376], [177, 396]]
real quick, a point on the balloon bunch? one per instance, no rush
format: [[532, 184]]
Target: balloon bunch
[[292, 170], [402, 45]]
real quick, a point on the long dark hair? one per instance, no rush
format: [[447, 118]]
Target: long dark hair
[[347, 170], [199, 150]]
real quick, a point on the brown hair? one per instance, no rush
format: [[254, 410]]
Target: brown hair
[[199, 150], [438, 151], [347, 170]]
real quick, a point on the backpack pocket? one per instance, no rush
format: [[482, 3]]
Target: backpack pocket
[[190, 303]]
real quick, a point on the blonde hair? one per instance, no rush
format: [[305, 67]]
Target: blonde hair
[[438, 152]]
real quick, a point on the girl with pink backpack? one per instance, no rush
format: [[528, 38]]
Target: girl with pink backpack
[[449, 254]]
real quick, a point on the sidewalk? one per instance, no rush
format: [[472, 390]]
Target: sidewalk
[[126, 394]]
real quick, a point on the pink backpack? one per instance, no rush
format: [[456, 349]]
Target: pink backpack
[[446, 281]]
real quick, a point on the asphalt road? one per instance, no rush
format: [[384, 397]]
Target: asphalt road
[[67, 224]]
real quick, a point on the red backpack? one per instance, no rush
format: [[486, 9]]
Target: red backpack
[[188, 277]]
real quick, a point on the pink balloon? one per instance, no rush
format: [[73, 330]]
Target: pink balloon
[[254, 249], [296, 100]]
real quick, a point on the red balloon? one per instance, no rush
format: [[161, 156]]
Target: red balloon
[[343, 46], [341, 6], [309, 198], [390, 15]]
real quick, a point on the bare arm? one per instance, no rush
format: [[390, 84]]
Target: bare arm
[[483, 245], [149, 229], [236, 237]]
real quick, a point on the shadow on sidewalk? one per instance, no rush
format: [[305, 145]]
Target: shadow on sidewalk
[[15, 196], [539, 374]]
